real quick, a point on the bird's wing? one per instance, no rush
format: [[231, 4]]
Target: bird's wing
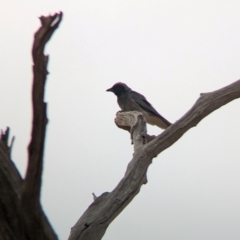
[[146, 106]]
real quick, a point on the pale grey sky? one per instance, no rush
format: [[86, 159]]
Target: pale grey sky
[[170, 51]]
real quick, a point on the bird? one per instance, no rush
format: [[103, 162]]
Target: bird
[[129, 100]]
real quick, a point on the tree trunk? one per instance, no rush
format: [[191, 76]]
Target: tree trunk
[[21, 214]]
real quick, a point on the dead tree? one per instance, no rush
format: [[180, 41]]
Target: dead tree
[[21, 214]]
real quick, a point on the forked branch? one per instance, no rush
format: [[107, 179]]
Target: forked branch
[[37, 224], [21, 214], [96, 219]]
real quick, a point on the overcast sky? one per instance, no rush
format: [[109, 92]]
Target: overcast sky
[[170, 51]]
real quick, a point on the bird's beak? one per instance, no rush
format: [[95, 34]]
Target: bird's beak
[[109, 90]]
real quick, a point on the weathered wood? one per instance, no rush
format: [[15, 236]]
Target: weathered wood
[[10, 189], [206, 104], [37, 225], [93, 223], [134, 123], [21, 214], [32, 183], [128, 120], [96, 219]]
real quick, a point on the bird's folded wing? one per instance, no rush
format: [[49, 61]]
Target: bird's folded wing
[[146, 106]]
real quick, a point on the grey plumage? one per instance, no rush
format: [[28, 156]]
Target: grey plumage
[[129, 100]]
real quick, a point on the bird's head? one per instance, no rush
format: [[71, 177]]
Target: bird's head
[[119, 89]]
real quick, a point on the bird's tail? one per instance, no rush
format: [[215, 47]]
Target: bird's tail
[[158, 121]]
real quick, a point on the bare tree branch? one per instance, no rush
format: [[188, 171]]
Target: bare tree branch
[[126, 120], [96, 219], [7, 166], [21, 214], [32, 183], [35, 217], [206, 104], [10, 189]]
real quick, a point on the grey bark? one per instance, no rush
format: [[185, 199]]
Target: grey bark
[[96, 219]]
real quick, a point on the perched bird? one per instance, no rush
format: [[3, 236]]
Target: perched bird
[[129, 100]]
